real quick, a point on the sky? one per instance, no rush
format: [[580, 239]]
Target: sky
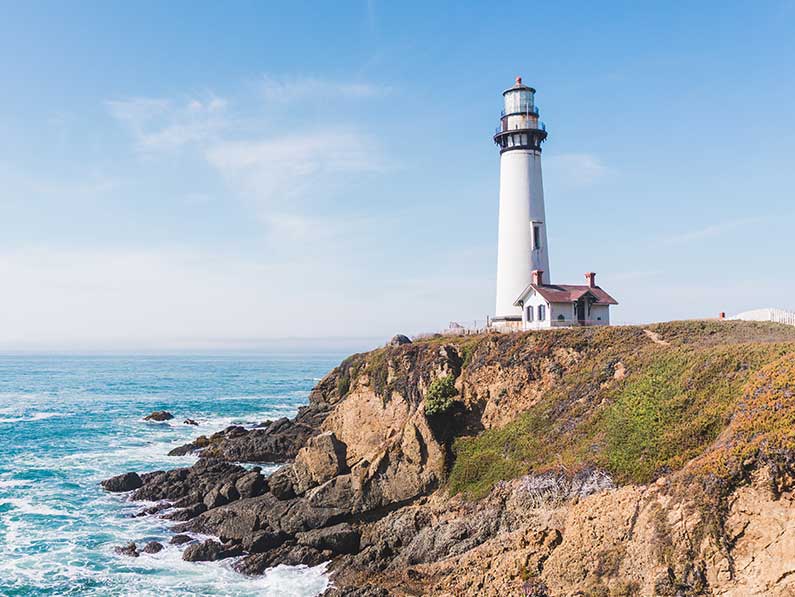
[[202, 175]]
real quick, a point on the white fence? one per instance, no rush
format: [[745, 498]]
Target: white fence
[[777, 315]]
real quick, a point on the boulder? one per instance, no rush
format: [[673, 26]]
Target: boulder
[[190, 422], [340, 539], [281, 483], [399, 340], [130, 550], [251, 484], [159, 415], [124, 482], [210, 551], [322, 459], [185, 514], [215, 499], [180, 539], [153, 547], [262, 541]]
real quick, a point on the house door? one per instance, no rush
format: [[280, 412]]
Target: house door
[[581, 312]]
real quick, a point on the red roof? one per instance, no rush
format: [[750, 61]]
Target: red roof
[[569, 293]]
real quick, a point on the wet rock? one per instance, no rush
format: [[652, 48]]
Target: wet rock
[[152, 510], [130, 550], [339, 539], [124, 482], [153, 547], [288, 554], [399, 340], [365, 591], [190, 422], [185, 514], [275, 441], [196, 480], [159, 415], [180, 539], [210, 551]]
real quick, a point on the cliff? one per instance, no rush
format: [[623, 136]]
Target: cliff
[[592, 461]]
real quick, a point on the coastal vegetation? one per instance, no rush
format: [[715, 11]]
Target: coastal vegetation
[[670, 404]]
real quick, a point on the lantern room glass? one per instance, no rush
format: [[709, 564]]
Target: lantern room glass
[[519, 101]]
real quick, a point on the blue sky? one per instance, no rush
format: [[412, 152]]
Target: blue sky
[[212, 175]]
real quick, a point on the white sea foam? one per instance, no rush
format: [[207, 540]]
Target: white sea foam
[[28, 507], [31, 417]]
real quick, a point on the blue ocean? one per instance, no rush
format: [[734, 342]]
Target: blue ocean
[[66, 423]]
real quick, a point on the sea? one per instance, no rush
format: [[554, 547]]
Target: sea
[[68, 422]]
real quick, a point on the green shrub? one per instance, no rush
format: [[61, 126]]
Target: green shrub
[[440, 394]]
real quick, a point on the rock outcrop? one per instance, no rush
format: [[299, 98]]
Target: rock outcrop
[[535, 482], [123, 482], [159, 415]]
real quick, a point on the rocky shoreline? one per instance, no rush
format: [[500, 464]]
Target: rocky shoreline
[[364, 469]]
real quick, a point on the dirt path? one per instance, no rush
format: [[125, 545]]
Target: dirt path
[[655, 337]]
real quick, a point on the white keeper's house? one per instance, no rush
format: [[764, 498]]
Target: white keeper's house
[[526, 298]]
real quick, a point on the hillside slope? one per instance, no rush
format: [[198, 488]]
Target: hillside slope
[[594, 461]]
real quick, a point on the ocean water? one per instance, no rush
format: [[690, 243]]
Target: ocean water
[[66, 423]]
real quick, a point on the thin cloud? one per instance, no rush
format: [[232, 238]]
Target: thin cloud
[[159, 125], [288, 89], [575, 170], [710, 231], [274, 171]]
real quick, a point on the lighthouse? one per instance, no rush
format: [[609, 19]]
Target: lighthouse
[[522, 238]]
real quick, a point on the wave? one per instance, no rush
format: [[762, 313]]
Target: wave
[[28, 507], [32, 417]]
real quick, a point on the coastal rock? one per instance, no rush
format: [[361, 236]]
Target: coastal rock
[[180, 539], [185, 514], [365, 591], [190, 422], [288, 554], [251, 484], [159, 415], [282, 483], [322, 459], [159, 507], [195, 481], [210, 551], [124, 482], [130, 550], [339, 539], [275, 441], [153, 547], [399, 340], [262, 541]]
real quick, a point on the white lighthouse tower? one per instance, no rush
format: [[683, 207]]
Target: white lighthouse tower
[[522, 246]]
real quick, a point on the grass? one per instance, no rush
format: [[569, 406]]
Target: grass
[[669, 409]]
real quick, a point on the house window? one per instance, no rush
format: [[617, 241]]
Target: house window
[[542, 312], [536, 237], [530, 313]]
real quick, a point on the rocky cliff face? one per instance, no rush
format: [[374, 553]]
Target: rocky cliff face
[[617, 461]]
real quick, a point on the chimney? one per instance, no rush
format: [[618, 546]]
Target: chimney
[[538, 277], [591, 278]]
